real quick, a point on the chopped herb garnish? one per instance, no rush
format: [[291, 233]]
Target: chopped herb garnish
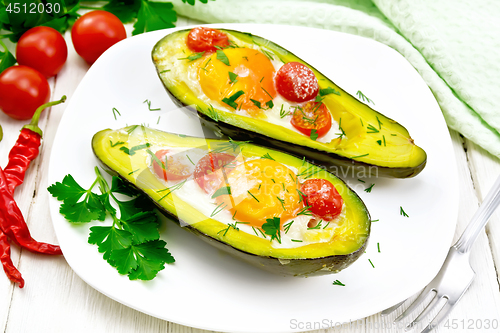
[[232, 225], [372, 129], [231, 101], [189, 159], [362, 97], [268, 54], [130, 130], [379, 123], [166, 70], [149, 106], [282, 201], [157, 160], [132, 150], [307, 173], [116, 143], [297, 240], [232, 77], [378, 247], [374, 220], [338, 283], [212, 113], [256, 103], [342, 133], [246, 58], [361, 180], [115, 111], [326, 225], [158, 121], [193, 56], [270, 104], [402, 212], [283, 113], [222, 57], [317, 226], [318, 98], [253, 196], [328, 91], [305, 211], [371, 263], [293, 179], [314, 134], [392, 134], [361, 155], [286, 227], [379, 142], [171, 189], [134, 171], [255, 231], [268, 94], [361, 120], [369, 189], [268, 156], [301, 195], [383, 137], [225, 190], [261, 80], [272, 228], [218, 209]]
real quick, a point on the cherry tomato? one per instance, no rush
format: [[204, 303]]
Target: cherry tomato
[[42, 48], [95, 32], [296, 82], [174, 167], [22, 90], [208, 173], [312, 115], [322, 196], [206, 39]]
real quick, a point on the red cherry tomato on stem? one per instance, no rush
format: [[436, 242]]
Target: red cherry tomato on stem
[[296, 82], [311, 116], [22, 90], [322, 196], [203, 39], [95, 32], [208, 171], [42, 48], [174, 167]]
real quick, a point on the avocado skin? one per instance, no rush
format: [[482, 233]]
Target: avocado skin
[[286, 267], [330, 160]]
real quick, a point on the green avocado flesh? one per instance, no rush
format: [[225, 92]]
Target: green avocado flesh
[[373, 144], [128, 153]]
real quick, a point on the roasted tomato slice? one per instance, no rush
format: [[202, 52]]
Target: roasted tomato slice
[[322, 196], [203, 39], [313, 115], [208, 173], [296, 82], [173, 167]]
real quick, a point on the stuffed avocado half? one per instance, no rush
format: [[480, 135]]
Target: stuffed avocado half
[[266, 207], [240, 88]]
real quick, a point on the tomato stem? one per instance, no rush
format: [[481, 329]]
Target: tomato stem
[[33, 125]]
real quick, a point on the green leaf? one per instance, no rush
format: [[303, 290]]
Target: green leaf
[[314, 134], [143, 226], [256, 103], [231, 101], [109, 239], [222, 57], [89, 209], [151, 258], [6, 58], [125, 10], [154, 16], [270, 104], [272, 228], [328, 91], [232, 77], [118, 185], [68, 190], [124, 260], [225, 190]]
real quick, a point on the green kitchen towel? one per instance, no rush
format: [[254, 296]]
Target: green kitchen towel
[[454, 45]]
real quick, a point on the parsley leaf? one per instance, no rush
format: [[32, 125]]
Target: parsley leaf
[[154, 16], [222, 57], [109, 239], [143, 226], [314, 134], [231, 101], [151, 258], [6, 58], [232, 77], [272, 228], [328, 91]]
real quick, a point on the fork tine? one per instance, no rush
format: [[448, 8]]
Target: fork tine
[[433, 303], [442, 314], [391, 309], [415, 303]]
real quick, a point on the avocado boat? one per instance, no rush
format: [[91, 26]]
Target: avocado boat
[[295, 247], [218, 86]]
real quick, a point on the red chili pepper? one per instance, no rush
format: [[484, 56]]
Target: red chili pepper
[[26, 149], [12, 273]]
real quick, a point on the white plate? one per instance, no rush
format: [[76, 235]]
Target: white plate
[[210, 290]]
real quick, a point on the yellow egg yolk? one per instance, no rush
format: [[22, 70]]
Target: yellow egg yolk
[[260, 190], [254, 72]]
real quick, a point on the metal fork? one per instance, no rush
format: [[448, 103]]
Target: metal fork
[[456, 275]]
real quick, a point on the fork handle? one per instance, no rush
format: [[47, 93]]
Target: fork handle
[[479, 220]]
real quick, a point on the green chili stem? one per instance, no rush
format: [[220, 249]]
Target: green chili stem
[[33, 125]]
